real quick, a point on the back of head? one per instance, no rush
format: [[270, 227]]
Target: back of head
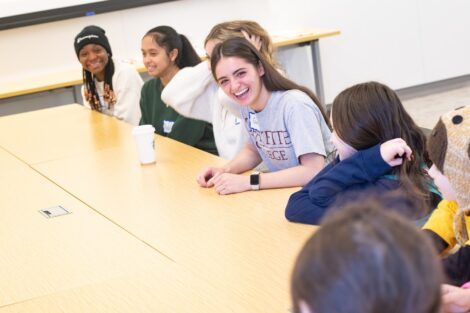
[[272, 79], [366, 260], [230, 29], [371, 113], [167, 38], [449, 150]]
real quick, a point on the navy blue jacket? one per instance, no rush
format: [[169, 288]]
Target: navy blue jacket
[[337, 182]]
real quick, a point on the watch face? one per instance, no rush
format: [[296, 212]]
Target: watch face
[[254, 179]]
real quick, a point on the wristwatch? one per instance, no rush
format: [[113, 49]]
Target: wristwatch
[[254, 181]]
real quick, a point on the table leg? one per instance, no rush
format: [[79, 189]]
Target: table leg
[[317, 73], [77, 94]]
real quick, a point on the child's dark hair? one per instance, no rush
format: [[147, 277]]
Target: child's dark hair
[[272, 79], [371, 113], [167, 38], [365, 259]]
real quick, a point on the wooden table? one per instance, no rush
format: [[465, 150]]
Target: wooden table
[[54, 133], [239, 244], [167, 288], [81, 260], [309, 37], [73, 77]]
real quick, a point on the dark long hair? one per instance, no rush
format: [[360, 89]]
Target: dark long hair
[[91, 95], [366, 259], [371, 113], [167, 38], [272, 79]]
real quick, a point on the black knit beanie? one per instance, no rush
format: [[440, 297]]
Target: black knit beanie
[[92, 34]]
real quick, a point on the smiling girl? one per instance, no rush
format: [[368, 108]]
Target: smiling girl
[[164, 53], [110, 87], [287, 126]]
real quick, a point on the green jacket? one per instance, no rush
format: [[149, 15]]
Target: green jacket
[[169, 123]]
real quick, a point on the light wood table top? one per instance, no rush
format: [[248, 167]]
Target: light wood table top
[[240, 243], [302, 36], [80, 254], [73, 130], [45, 82], [162, 289], [73, 76]]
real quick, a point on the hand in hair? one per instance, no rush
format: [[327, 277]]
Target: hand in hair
[[394, 151], [254, 40], [204, 178], [455, 299]]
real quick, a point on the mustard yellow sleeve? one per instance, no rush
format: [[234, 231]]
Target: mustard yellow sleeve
[[441, 221], [467, 223]]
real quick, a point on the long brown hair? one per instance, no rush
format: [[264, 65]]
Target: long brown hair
[[230, 29], [371, 113], [272, 79], [367, 259]]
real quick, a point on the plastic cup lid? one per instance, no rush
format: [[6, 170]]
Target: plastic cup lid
[[143, 129]]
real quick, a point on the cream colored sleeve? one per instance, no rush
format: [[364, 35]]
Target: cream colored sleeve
[[192, 92], [127, 85]]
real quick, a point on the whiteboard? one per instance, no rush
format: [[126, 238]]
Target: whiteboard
[[17, 7], [18, 13]]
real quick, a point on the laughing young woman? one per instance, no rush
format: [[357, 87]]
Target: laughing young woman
[[194, 93], [287, 126]]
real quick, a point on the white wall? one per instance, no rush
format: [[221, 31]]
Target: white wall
[[399, 42]]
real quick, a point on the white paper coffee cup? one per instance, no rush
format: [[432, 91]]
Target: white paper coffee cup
[[145, 141]]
